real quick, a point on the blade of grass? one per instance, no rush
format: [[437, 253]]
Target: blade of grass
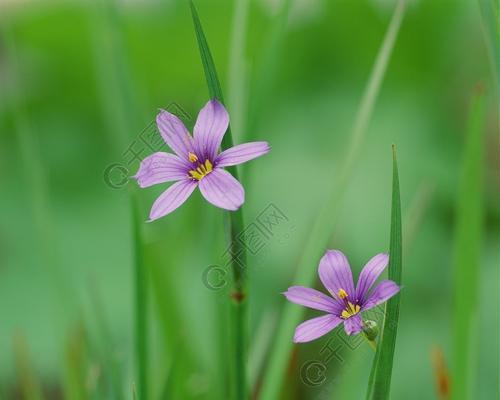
[[490, 14], [267, 70], [141, 306], [28, 380], [76, 385], [234, 226], [123, 118], [103, 347], [325, 222], [237, 67], [380, 377], [468, 231]]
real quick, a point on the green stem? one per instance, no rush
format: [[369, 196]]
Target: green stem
[[372, 343], [141, 337], [234, 227]]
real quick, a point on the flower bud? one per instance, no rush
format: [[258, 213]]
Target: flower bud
[[370, 329]]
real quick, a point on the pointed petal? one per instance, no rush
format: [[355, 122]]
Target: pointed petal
[[315, 328], [335, 273], [382, 292], [211, 124], [160, 167], [172, 198], [242, 153], [370, 273], [353, 325], [221, 189], [175, 134], [313, 299]]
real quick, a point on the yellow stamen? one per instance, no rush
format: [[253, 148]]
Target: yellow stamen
[[201, 170], [192, 157], [342, 294], [350, 310]]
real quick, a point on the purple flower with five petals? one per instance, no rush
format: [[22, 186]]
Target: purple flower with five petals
[[346, 302], [197, 162]]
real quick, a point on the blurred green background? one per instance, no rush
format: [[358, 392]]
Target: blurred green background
[[80, 80]]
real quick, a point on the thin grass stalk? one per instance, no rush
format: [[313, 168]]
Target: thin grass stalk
[[141, 305], [123, 118], [237, 249], [324, 224], [467, 257], [238, 67], [380, 378]]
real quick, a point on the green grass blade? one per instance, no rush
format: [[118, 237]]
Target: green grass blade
[[324, 225], [490, 14], [234, 226], [382, 366], [237, 67], [467, 253], [141, 308], [28, 380]]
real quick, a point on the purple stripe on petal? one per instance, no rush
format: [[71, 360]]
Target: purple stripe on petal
[[242, 153], [211, 124], [313, 299], [175, 134], [160, 167], [172, 198], [353, 325], [335, 273], [221, 189], [370, 273], [315, 328], [382, 292]]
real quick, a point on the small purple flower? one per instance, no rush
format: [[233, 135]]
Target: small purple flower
[[346, 302], [197, 162]]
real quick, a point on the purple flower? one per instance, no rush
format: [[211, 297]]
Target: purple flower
[[346, 302], [197, 162]]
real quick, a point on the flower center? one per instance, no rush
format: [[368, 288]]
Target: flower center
[[202, 169], [350, 308]]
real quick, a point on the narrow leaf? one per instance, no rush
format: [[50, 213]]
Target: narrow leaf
[[467, 253], [380, 377], [141, 309], [237, 248]]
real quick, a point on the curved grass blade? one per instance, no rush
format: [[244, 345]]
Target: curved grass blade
[[234, 226], [467, 254], [380, 376], [325, 223], [141, 306]]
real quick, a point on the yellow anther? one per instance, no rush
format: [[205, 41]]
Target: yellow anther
[[342, 293], [201, 170], [192, 157], [350, 310]]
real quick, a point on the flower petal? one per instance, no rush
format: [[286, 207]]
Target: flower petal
[[370, 273], [353, 325], [221, 189], [382, 292], [175, 134], [160, 167], [313, 299], [211, 124], [315, 328], [335, 273], [172, 198], [242, 153]]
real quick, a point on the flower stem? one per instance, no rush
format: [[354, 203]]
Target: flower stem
[[372, 343], [234, 228], [238, 294]]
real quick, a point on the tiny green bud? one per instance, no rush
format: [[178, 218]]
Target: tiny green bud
[[370, 329]]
